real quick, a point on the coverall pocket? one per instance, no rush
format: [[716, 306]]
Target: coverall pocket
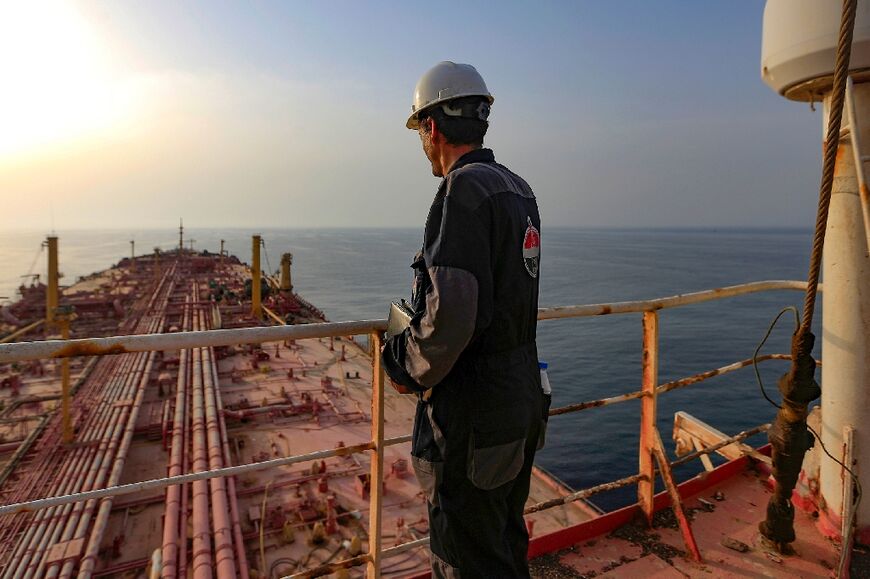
[[545, 417], [489, 467], [429, 475]]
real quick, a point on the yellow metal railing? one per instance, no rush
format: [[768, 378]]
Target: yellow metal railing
[[650, 448]]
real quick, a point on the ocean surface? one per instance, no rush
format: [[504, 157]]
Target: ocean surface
[[354, 273]]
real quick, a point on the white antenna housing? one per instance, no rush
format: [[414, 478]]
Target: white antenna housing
[[799, 46]]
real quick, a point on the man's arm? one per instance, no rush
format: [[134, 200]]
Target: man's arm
[[457, 258], [422, 355]]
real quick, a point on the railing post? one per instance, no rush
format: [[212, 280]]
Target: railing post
[[377, 468], [650, 377]]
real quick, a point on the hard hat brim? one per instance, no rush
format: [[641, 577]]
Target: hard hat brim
[[413, 122]]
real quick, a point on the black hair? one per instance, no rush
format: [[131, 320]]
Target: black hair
[[459, 130]]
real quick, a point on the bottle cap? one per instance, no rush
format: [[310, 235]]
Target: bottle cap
[[543, 365]]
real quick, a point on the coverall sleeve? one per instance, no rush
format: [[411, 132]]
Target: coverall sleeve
[[457, 254]]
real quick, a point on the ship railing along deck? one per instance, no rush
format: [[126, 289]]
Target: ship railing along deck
[[650, 452]]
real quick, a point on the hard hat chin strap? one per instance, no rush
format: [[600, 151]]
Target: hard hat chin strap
[[478, 111]]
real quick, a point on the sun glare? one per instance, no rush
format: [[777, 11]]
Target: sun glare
[[57, 83]]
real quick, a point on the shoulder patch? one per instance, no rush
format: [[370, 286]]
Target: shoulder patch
[[531, 249]]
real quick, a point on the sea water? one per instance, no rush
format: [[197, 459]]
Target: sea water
[[354, 273]]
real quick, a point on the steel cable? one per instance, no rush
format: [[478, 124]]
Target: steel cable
[[838, 97]]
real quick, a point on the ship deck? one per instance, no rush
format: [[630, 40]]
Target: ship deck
[[724, 506]]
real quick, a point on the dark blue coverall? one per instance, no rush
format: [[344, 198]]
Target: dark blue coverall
[[472, 342]]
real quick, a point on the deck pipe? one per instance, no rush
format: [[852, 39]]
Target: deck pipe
[[79, 520], [186, 462], [33, 544], [74, 523], [30, 486], [89, 560], [41, 528], [222, 527], [90, 556], [34, 474], [231, 481], [34, 541], [120, 439], [171, 530], [202, 559]]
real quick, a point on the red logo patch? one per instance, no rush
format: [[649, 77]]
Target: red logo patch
[[532, 249]]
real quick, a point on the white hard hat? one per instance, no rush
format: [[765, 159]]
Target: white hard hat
[[443, 82]]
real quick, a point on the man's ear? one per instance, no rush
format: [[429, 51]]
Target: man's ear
[[433, 130]]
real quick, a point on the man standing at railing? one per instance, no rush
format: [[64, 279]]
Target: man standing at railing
[[469, 352]]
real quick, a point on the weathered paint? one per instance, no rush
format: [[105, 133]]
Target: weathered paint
[[583, 494], [649, 381], [676, 501], [667, 386], [640, 306], [87, 349], [845, 339], [376, 493]]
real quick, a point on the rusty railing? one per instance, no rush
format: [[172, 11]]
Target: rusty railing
[[650, 451]]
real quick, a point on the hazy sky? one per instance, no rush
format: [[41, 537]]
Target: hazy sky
[[262, 114]]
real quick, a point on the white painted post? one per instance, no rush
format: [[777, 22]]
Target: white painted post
[[846, 328]]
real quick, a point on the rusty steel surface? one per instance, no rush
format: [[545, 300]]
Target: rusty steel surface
[[857, 134], [584, 494], [667, 386], [649, 382], [373, 569], [676, 500], [635, 307]]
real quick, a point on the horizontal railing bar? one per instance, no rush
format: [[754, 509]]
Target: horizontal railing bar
[[129, 488], [23, 351], [181, 340], [160, 483], [399, 549], [397, 440], [666, 387], [668, 302], [585, 493]]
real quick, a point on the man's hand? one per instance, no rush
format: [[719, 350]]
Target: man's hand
[[397, 387]]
